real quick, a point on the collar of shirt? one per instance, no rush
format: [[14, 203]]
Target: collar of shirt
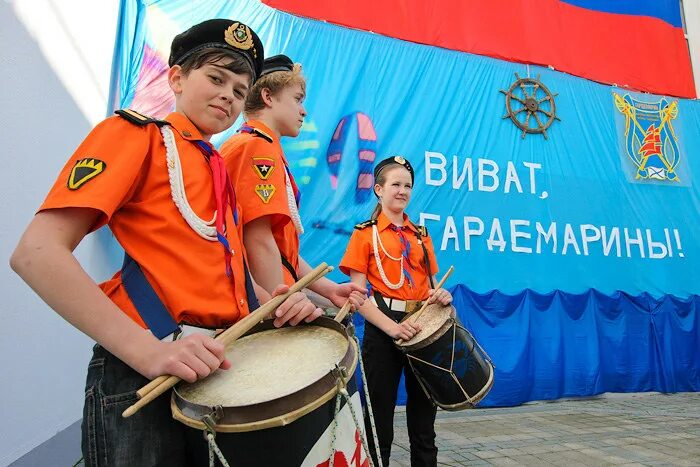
[[184, 126], [383, 222]]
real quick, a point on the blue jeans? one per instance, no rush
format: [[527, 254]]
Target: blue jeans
[[151, 437]]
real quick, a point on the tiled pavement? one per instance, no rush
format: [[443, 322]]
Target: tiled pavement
[[612, 429]]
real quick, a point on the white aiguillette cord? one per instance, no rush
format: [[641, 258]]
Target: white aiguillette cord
[[292, 203], [376, 240], [205, 229]]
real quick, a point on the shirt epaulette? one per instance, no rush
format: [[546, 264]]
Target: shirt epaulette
[[139, 119], [365, 224], [262, 134], [422, 230], [255, 132]]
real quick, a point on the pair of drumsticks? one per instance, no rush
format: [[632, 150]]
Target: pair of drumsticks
[[162, 383]]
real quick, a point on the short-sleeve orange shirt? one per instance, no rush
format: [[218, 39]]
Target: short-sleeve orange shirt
[[360, 256], [120, 169], [256, 165]]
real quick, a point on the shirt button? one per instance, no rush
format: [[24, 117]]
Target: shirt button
[[186, 134], [242, 302]]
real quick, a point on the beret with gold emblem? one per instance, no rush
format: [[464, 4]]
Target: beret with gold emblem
[[393, 160], [219, 33]]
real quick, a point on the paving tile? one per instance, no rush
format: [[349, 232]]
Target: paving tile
[[633, 429]]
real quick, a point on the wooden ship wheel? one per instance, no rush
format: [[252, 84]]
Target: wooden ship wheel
[[530, 105]]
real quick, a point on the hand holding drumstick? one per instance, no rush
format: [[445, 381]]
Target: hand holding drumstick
[[161, 384], [437, 295]]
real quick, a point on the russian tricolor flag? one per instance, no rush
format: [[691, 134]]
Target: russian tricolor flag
[[639, 44]]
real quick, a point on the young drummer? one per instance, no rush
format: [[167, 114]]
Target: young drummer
[[269, 195], [396, 257], [156, 184]]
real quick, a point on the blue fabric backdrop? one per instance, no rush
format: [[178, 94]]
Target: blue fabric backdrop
[[575, 259]]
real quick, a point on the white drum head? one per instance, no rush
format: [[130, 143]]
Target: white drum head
[[268, 365], [430, 321]]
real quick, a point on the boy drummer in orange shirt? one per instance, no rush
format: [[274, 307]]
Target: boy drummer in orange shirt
[[269, 194], [155, 183]]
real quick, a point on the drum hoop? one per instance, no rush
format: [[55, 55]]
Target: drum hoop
[[475, 399], [247, 418], [451, 321]]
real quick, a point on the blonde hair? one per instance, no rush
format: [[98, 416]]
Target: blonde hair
[[274, 82]]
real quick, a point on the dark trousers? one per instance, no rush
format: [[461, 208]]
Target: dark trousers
[[151, 437], [384, 364]]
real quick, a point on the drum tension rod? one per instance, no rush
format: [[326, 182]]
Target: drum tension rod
[[341, 374], [211, 419]]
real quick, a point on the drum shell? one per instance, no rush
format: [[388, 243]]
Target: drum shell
[[466, 373], [278, 412], [281, 432], [471, 373], [279, 446]]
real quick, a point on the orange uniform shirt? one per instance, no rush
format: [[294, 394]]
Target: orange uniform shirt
[[120, 169], [359, 256], [256, 165]]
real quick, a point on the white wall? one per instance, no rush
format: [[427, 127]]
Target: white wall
[[43, 119], [691, 10]]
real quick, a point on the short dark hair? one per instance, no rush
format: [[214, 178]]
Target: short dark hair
[[237, 63]]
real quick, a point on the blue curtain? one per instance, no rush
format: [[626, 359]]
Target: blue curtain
[[575, 255]]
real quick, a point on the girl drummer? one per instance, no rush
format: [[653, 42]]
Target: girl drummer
[[397, 258]]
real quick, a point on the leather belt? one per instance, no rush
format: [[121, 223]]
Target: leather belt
[[186, 330], [401, 306]]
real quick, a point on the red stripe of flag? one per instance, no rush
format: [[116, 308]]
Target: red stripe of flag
[[641, 52]]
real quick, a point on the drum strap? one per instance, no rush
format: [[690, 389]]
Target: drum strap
[[288, 266], [381, 304], [425, 258], [149, 305]]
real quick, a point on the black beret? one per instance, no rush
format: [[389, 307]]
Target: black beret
[[221, 33], [277, 63], [393, 160]]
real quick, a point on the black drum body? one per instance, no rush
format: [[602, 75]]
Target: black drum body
[[452, 368], [280, 404]]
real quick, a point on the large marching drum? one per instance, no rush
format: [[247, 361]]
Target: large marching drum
[[289, 399], [452, 368]]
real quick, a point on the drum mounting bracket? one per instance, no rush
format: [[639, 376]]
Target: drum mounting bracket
[[341, 375], [212, 418]]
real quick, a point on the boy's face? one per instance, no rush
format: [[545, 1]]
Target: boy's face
[[212, 97], [288, 110]]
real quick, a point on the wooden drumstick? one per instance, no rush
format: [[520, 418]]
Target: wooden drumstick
[[414, 317], [161, 384], [343, 312], [230, 337]]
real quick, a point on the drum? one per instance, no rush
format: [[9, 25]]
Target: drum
[[452, 368], [279, 403]]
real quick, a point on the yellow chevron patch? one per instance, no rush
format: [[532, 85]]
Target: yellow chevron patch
[[83, 171]]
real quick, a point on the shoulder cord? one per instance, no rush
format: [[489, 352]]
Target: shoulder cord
[[292, 203], [378, 260], [426, 259], [205, 229]]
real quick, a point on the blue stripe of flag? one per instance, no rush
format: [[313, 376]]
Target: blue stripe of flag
[[666, 10]]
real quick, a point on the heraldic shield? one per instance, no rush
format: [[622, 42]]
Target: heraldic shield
[[650, 140]]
